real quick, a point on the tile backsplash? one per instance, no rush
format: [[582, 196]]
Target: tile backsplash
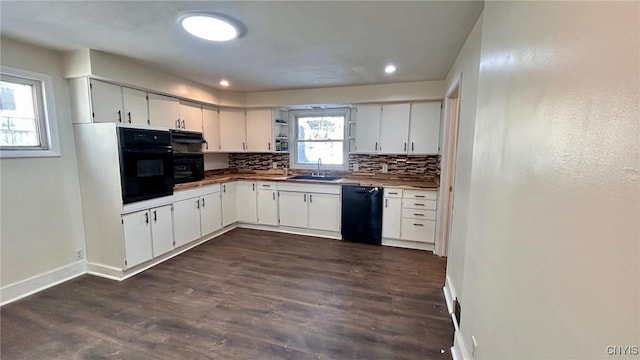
[[427, 165]]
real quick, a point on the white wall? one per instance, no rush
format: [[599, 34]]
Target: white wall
[[41, 216], [213, 161], [552, 265], [422, 90], [465, 69]]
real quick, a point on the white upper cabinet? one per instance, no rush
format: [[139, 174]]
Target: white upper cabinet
[[211, 130], [424, 135], [190, 117], [232, 131], [136, 106], [164, 111], [260, 125], [394, 128], [367, 118], [106, 102]]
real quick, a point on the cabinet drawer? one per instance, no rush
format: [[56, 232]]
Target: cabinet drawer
[[419, 214], [418, 204], [392, 193], [418, 230], [265, 185], [420, 194]]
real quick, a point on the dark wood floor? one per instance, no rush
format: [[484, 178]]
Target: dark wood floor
[[246, 295]]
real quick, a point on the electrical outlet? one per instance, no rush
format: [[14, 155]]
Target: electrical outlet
[[474, 351], [385, 168], [274, 165], [356, 167], [78, 254]]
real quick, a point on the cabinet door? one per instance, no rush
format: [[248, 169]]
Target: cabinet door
[[293, 209], [267, 207], [247, 202], [135, 105], [394, 129], [210, 213], [391, 218], [324, 212], [186, 221], [106, 102], [164, 111], [161, 229], [190, 117], [418, 230], [260, 130], [229, 203], [137, 238], [211, 130], [424, 136], [232, 131], [367, 128]]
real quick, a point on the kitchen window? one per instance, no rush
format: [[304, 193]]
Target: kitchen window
[[27, 123], [320, 135]]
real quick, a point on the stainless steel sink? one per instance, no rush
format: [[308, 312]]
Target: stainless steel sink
[[314, 178]]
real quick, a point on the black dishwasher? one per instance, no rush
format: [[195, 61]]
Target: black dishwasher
[[362, 214]]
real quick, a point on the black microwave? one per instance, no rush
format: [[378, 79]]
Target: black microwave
[[188, 167]]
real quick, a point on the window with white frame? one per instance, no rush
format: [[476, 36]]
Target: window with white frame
[[320, 136], [27, 127]]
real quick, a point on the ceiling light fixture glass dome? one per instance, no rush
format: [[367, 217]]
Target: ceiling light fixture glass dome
[[210, 27]]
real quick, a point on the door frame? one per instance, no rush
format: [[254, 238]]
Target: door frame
[[450, 122]]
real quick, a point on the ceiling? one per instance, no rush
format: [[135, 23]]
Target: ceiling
[[287, 44]]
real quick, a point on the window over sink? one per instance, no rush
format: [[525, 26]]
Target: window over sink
[[320, 135]]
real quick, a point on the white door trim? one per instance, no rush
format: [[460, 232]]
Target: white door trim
[[448, 161]]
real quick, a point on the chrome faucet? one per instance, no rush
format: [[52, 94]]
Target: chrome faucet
[[318, 173]]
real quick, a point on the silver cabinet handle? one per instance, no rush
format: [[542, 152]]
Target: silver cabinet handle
[[269, 146], [178, 124], [198, 203], [146, 217], [418, 204], [266, 185], [418, 224], [412, 146], [155, 216], [376, 146], [224, 188], [183, 125], [119, 116], [386, 203], [310, 198], [393, 193], [419, 196], [418, 214], [405, 146], [274, 195], [305, 197], [202, 202], [254, 186], [129, 115]]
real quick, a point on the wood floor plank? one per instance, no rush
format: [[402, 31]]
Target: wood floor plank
[[247, 294]]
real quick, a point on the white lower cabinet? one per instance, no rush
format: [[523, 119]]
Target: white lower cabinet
[[418, 230], [161, 229], [247, 202], [293, 209], [137, 238], [324, 211], [210, 213], [229, 203], [391, 217], [267, 207], [186, 215]]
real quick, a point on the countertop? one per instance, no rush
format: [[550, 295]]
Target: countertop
[[369, 180]]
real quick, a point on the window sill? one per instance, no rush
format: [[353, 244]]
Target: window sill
[[16, 154]]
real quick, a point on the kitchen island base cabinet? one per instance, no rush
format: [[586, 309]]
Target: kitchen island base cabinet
[[137, 238], [186, 214], [324, 213]]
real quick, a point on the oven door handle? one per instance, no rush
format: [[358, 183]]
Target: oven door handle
[[147, 151]]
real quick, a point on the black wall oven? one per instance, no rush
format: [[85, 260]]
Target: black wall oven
[[146, 164], [188, 167]]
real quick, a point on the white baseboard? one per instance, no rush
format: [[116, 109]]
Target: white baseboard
[[34, 284], [459, 350], [449, 294], [292, 230], [408, 244]]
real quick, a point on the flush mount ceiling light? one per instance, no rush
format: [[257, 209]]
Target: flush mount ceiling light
[[209, 26], [224, 83], [390, 69]]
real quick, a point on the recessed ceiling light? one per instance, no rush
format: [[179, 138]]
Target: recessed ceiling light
[[209, 26], [390, 69], [224, 83]]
